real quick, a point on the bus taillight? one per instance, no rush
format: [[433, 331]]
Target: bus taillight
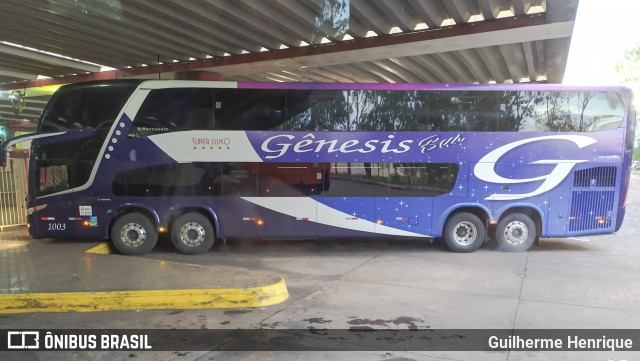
[[626, 195]]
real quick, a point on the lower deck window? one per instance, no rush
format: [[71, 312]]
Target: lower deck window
[[338, 179]]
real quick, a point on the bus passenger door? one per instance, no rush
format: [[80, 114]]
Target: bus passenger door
[[239, 213], [398, 215], [285, 191], [346, 216], [347, 203]]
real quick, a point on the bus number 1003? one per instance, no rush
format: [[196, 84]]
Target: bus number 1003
[[57, 226]]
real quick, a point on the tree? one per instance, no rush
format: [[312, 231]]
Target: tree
[[584, 99], [519, 106], [556, 117], [628, 66]]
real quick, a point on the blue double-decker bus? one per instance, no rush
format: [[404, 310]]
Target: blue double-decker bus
[[128, 160]]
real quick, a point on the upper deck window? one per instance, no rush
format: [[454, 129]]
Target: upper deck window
[[179, 109], [86, 105], [471, 111]]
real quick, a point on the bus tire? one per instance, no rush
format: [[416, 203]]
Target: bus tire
[[134, 234], [192, 233], [516, 232], [464, 232]]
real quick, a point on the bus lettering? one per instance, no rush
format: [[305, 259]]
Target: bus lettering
[[331, 146], [210, 141], [434, 141], [283, 147], [57, 226]]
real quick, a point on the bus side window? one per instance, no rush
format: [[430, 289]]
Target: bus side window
[[249, 109], [173, 110], [239, 179]]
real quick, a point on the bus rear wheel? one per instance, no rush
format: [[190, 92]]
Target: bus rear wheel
[[134, 234], [464, 232], [516, 233], [192, 233]]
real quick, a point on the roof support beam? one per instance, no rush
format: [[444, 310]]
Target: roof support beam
[[351, 72], [17, 75], [477, 69], [528, 55], [45, 58], [391, 66], [430, 11], [394, 71], [366, 13], [456, 11], [460, 37], [454, 66], [436, 66], [416, 70], [398, 15]]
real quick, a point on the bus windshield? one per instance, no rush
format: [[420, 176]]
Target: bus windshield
[[89, 105], [61, 166]]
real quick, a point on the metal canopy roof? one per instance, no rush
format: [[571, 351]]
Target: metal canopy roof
[[443, 41]]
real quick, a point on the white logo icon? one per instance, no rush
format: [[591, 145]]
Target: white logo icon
[[85, 210], [485, 171], [21, 340]]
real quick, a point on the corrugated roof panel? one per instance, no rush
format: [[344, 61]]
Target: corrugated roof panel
[[142, 32]]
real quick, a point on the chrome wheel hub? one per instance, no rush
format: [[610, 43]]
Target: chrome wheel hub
[[133, 235], [516, 232], [192, 234], [465, 233]]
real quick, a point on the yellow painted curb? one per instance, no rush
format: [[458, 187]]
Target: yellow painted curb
[[144, 300], [103, 248]]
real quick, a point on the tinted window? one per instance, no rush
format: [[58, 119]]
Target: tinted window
[[477, 111], [562, 111], [167, 110], [89, 105], [181, 179], [292, 179], [423, 179], [391, 179], [175, 109], [188, 179], [179, 109], [249, 109], [288, 179], [64, 165]]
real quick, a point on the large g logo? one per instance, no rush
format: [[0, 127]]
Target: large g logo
[[485, 171]]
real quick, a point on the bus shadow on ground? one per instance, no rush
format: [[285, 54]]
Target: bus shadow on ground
[[337, 246], [555, 245], [293, 247]]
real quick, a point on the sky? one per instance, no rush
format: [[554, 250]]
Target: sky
[[603, 30]]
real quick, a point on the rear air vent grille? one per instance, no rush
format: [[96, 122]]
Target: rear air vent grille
[[591, 210], [596, 177]]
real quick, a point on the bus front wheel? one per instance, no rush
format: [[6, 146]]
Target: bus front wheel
[[464, 232], [192, 233], [516, 233], [134, 234]]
